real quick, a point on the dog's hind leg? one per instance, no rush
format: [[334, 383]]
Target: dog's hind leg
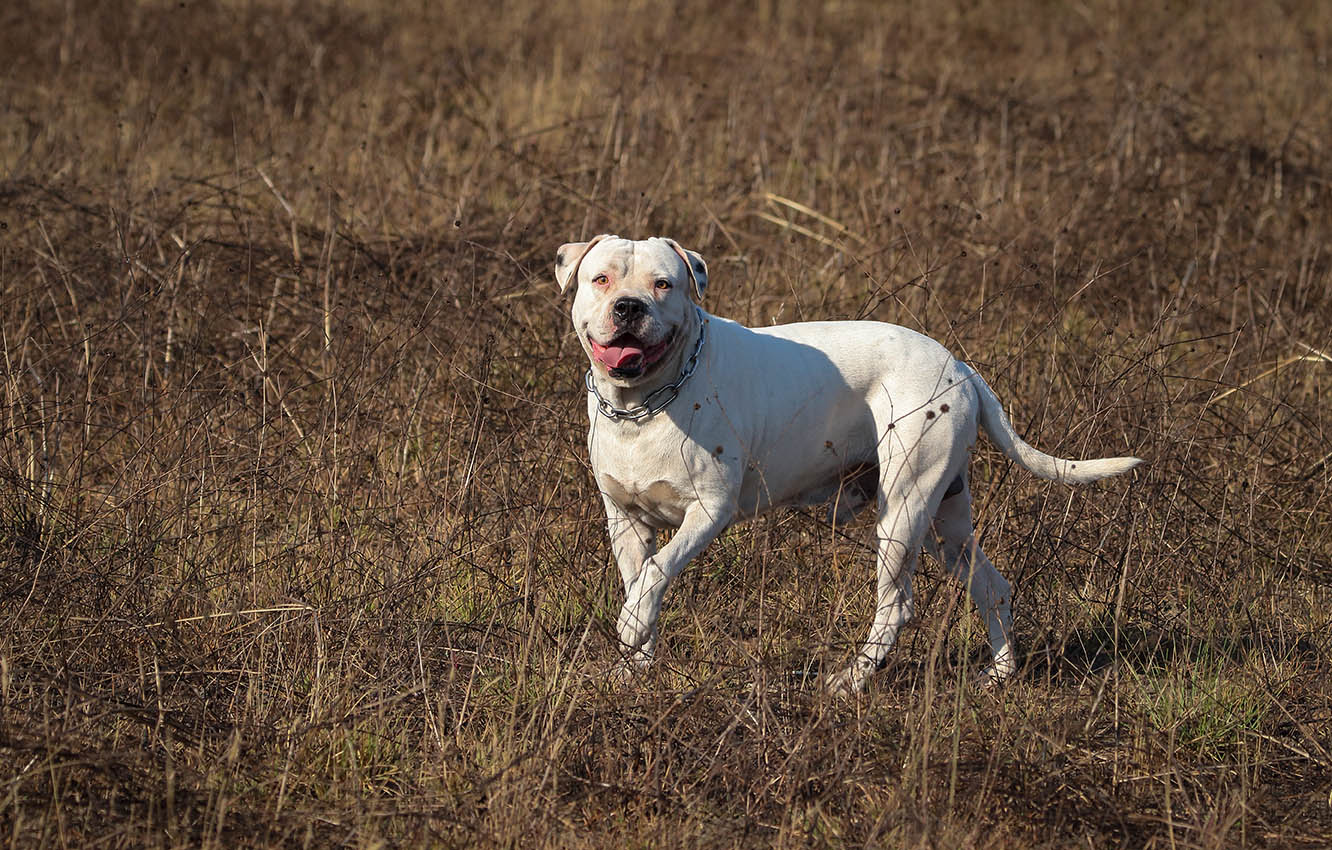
[[961, 555], [903, 520]]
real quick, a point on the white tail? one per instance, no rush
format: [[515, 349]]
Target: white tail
[[996, 424]]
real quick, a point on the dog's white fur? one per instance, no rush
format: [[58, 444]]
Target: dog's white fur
[[816, 412]]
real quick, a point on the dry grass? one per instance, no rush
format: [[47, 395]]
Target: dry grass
[[297, 540]]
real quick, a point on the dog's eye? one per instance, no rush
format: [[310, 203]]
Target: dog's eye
[[663, 284], [601, 280]]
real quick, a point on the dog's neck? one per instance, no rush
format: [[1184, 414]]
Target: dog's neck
[[670, 371]]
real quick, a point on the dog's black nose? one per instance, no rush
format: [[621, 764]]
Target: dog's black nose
[[627, 309]]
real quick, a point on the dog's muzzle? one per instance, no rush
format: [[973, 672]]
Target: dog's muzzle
[[656, 401], [628, 356]]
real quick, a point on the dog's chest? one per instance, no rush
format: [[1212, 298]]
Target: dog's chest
[[659, 503], [649, 477]]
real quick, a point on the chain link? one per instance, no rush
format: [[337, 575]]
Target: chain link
[[651, 406]]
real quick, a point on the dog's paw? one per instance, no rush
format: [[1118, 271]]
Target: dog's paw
[[637, 624], [628, 670], [846, 684], [621, 675], [995, 675], [1003, 667]]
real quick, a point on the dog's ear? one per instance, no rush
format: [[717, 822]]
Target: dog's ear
[[570, 257], [698, 270]]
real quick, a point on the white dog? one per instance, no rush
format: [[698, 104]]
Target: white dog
[[697, 422]]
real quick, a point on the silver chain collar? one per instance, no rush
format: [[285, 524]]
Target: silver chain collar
[[652, 405]]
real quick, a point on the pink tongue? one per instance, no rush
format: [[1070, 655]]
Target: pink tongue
[[616, 356]]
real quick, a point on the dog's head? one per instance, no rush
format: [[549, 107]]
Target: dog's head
[[632, 308]]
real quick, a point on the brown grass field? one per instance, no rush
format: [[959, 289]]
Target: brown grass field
[[298, 542]]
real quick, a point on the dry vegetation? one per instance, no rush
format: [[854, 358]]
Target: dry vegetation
[[298, 544]]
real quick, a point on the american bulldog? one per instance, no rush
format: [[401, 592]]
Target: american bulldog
[[697, 422]]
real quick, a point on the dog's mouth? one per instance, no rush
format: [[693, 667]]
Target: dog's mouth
[[627, 356]]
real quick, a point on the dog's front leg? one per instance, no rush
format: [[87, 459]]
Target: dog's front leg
[[632, 541], [642, 605]]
